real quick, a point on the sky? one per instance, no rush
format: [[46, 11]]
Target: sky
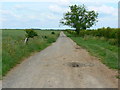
[[48, 13]]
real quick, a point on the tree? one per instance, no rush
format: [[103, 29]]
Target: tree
[[29, 34], [79, 18]]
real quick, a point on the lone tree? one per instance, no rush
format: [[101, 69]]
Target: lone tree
[[29, 34], [79, 18]]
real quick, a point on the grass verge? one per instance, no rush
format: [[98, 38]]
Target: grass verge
[[107, 53], [14, 49]]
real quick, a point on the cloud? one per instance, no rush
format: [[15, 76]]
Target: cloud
[[52, 16], [19, 6], [7, 15], [49, 14], [5, 12], [55, 8], [104, 9], [110, 21], [42, 16], [63, 2], [66, 1], [58, 9], [2, 19]]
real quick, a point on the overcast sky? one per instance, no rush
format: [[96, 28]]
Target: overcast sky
[[47, 13]]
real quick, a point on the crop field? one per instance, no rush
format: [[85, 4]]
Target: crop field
[[15, 50], [100, 43]]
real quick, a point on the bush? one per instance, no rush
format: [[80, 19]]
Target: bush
[[103, 38], [108, 34], [30, 33], [113, 41], [45, 37], [52, 32]]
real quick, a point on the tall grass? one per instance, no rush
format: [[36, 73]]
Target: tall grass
[[98, 47], [14, 49], [109, 34]]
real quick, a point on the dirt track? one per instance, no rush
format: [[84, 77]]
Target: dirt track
[[61, 65]]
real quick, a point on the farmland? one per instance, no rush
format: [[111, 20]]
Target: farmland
[[102, 43], [64, 64], [15, 50], [61, 44], [99, 43]]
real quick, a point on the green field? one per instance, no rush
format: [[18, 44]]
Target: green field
[[102, 49], [15, 50]]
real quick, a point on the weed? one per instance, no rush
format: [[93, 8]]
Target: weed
[[14, 49]]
